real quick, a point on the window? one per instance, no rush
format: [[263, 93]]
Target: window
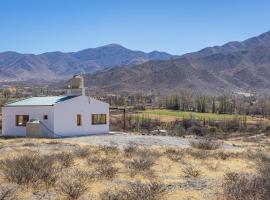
[[79, 120], [45, 117], [98, 119], [21, 120]]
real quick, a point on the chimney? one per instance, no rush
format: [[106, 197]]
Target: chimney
[[76, 86]]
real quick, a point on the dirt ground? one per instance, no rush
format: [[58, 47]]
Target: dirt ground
[[171, 157]]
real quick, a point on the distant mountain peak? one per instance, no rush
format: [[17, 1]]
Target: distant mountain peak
[[113, 45], [59, 65]]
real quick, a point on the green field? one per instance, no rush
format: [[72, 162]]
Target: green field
[[195, 115]]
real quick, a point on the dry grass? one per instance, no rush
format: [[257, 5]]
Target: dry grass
[[72, 171]]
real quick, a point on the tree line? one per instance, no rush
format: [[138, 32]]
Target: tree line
[[223, 104], [187, 101]]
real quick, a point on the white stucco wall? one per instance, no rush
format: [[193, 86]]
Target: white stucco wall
[[9, 127], [65, 116]]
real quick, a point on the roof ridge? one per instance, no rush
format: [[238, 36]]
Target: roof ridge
[[40, 101], [17, 100]]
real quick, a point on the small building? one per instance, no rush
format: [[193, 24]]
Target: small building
[[57, 116]]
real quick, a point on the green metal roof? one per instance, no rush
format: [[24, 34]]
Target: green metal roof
[[41, 101]]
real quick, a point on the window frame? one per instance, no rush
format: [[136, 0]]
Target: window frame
[[79, 120], [99, 120], [24, 121]]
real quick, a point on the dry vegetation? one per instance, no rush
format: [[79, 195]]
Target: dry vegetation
[[52, 169]]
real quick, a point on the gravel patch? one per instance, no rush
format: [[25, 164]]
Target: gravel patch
[[123, 139]]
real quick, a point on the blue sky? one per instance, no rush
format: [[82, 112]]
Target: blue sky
[[175, 26]]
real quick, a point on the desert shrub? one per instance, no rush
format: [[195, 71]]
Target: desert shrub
[[48, 175], [176, 130], [199, 154], [213, 166], [7, 192], [112, 148], [188, 123], [84, 175], [230, 125], [54, 142], [66, 159], [137, 190], [130, 149], [171, 151], [98, 160], [116, 124], [248, 187], [212, 130], [106, 171], [253, 129], [139, 107], [148, 124], [30, 168], [258, 155], [113, 194], [198, 130], [191, 171], [82, 152], [267, 130], [223, 155], [140, 164], [72, 187], [29, 144], [146, 152], [205, 144], [238, 186], [174, 155], [263, 178], [19, 169], [147, 191]]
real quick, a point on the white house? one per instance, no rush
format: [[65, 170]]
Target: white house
[[72, 115]]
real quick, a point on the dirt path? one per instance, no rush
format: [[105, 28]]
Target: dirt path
[[123, 139]]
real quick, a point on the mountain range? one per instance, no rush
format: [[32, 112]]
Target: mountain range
[[55, 66], [235, 66]]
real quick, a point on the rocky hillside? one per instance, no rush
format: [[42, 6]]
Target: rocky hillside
[[237, 66]]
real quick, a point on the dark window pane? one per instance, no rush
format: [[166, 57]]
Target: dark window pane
[[21, 120]]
